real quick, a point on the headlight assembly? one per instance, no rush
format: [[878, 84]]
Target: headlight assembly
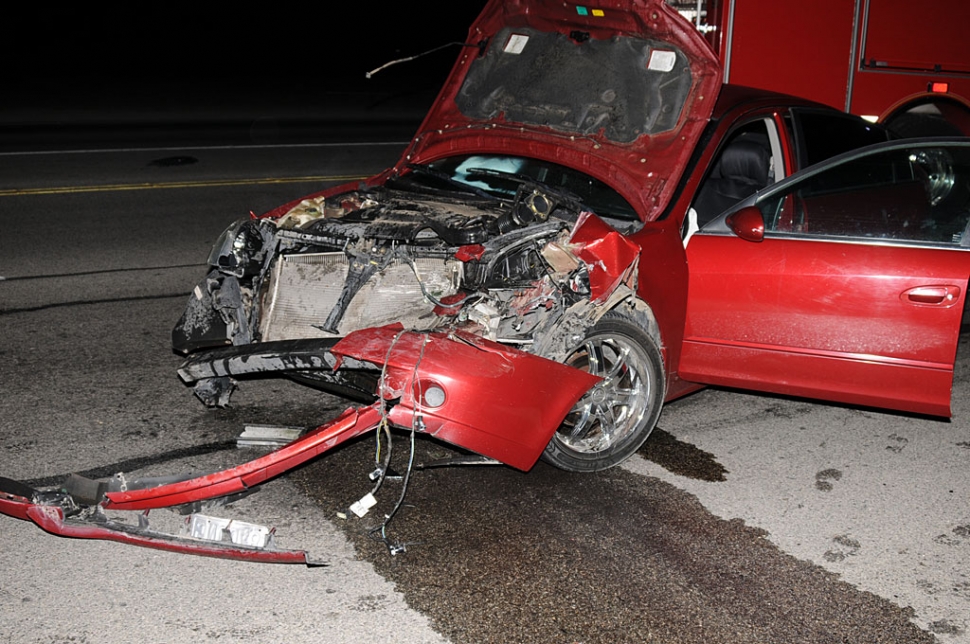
[[240, 249]]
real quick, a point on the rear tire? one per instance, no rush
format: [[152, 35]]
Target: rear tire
[[615, 417]]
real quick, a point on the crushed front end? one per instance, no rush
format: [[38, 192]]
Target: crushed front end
[[520, 270]]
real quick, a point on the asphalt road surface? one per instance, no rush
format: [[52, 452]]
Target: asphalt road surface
[[745, 518]]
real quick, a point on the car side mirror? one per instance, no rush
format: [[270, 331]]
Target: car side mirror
[[747, 223]]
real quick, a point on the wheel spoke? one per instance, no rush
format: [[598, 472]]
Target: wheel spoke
[[620, 363], [627, 397], [607, 426], [593, 358], [580, 425]]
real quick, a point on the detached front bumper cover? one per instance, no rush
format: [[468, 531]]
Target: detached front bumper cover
[[478, 395]]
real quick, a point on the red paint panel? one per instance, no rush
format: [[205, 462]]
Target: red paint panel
[[855, 380], [499, 402], [798, 48], [905, 36], [51, 519], [610, 257], [880, 93], [644, 172], [351, 423], [824, 319], [14, 506]]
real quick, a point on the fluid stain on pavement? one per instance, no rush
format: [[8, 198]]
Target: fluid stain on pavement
[[681, 458], [845, 546], [497, 555], [166, 162], [824, 478]]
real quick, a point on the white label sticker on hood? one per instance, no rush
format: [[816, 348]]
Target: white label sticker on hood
[[662, 60], [516, 44]]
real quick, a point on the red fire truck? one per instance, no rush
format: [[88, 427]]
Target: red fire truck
[[903, 64]]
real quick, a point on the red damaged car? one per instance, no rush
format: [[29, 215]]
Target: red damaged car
[[586, 225]]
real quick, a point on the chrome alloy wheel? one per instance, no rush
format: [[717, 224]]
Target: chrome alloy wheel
[[614, 408], [610, 422]]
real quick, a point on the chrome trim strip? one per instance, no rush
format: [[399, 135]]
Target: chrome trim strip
[[854, 52]]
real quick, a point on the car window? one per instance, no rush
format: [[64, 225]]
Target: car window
[[503, 175], [823, 134], [911, 194], [748, 160]]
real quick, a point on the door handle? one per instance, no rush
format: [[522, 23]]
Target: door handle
[[936, 295]]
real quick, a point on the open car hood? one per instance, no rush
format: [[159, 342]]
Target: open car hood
[[621, 91]]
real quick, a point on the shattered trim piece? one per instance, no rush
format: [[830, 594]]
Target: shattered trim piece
[[351, 423], [52, 519], [47, 509]]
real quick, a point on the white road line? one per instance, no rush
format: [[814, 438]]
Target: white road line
[[353, 144]]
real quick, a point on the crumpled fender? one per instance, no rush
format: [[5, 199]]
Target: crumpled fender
[[471, 392], [611, 259]]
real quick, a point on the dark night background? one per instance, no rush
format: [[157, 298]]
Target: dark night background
[[142, 65]]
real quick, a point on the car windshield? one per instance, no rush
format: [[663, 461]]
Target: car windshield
[[501, 177]]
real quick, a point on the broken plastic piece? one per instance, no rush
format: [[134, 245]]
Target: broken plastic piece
[[351, 423], [51, 519], [215, 392], [363, 505], [85, 490], [241, 533], [267, 435], [501, 403]]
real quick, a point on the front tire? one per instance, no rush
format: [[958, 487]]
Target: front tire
[[615, 417]]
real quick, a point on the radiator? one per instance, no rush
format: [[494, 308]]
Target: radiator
[[303, 289]]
